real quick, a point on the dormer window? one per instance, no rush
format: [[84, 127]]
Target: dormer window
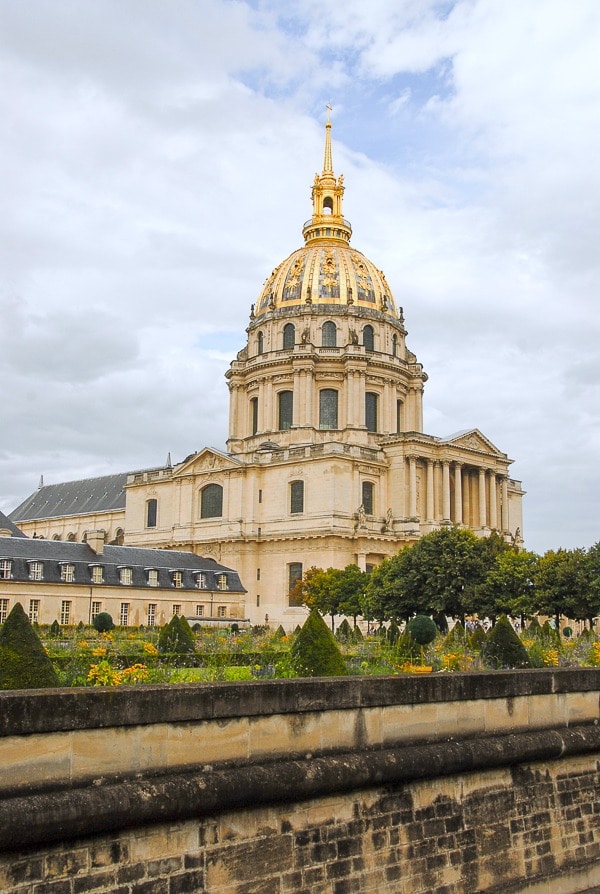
[[67, 572], [97, 574], [153, 577], [125, 576], [201, 581], [5, 569], [36, 571], [222, 582], [177, 579]]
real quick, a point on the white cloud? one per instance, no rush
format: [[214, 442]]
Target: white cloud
[[157, 166]]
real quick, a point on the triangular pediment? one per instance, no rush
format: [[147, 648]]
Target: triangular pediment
[[473, 439], [206, 460]]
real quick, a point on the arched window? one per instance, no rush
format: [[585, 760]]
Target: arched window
[[254, 414], [394, 345], [289, 336], [399, 416], [286, 409], [371, 411], [368, 338], [367, 497], [260, 343], [297, 496], [119, 537], [328, 408], [329, 334], [151, 512], [211, 501]]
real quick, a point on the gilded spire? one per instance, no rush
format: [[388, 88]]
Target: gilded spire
[[327, 221], [327, 161]]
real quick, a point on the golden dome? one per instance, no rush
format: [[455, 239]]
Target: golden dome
[[326, 270]]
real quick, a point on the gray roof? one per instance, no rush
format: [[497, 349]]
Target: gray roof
[[88, 495], [53, 553], [7, 525]]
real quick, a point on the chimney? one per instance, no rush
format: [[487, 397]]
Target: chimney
[[95, 540]]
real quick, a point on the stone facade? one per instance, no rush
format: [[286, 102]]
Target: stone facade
[[427, 788], [327, 463]]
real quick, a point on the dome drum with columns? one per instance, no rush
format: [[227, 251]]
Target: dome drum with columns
[[327, 463]]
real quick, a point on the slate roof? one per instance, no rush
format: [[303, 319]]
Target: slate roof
[[53, 553], [7, 525], [88, 495]]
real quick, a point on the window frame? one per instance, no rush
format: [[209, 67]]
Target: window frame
[[297, 497], [5, 569], [66, 606], [326, 394], [211, 501], [329, 334], [295, 572], [152, 512], [36, 569], [289, 337], [367, 494], [285, 409], [372, 411], [368, 338]]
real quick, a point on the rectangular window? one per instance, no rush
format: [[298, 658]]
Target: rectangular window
[[125, 576], [5, 569], [153, 577], [328, 408], [36, 571], [65, 612], [222, 582], [258, 574], [222, 611], [151, 513], [254, 414], [67, 573], [34, 610], [151, 620], [3, 610], [371, 411], [297, 496], [201, 581], [399, 414], [199, 611], [96, 609], [294, 575], [124, 614], [286, 409], [177, 608], [367, 497], [97, 574], [177, 579]]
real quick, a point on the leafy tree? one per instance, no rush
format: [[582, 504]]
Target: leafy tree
[[317, 589], [508, 587], [350, 585], [23, 660], [422, 629], [503, 648], [561, 586], [437, 574], [315, 652]]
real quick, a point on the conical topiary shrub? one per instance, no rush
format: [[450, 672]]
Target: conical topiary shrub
[[23, 660], [315, 652], [176, 636], [503, 648], [344, 632], [534, 628], [478, 638]]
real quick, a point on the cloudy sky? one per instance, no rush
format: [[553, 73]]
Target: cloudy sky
[[156, 159]]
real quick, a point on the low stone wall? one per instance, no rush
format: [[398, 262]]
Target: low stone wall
[[457, 783]]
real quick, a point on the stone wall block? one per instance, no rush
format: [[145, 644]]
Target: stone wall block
[[206, 742]]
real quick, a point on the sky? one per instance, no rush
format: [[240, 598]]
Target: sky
[[156, 159]]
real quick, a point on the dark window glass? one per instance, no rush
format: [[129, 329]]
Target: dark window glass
[[151, 508], [328, 408], [297, 496], [289, 335], [254, 414], [211, 505], [294, 575], [329, 335], [371, 411], [399, 413], [394, 345], [286, 409], [260, 343], [368, 338], [367, 497]]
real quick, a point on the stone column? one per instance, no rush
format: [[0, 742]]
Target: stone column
[[505, 520], [458, 508], [412, 487], [445, 490], [493, 503], [430, 492], [482, 500], [299, 404], [350, 412], [270, 410]]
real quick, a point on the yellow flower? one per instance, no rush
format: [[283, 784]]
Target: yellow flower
[[99, 652]]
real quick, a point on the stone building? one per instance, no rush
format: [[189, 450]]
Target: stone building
[[327, 463]]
